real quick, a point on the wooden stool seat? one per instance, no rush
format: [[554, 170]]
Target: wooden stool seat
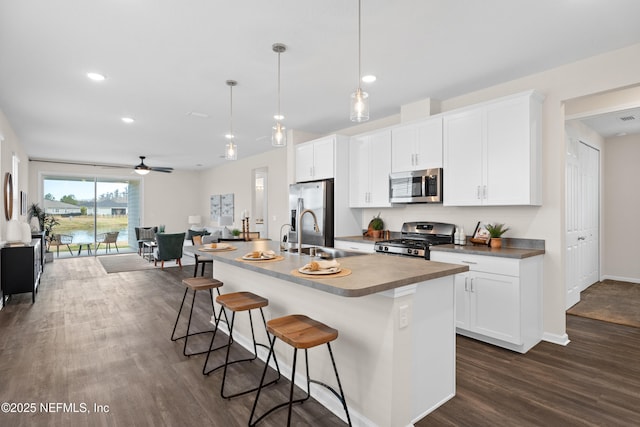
[[241, 301], [202, 283], [300, 331]]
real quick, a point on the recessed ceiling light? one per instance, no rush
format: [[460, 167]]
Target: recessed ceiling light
[[96, 77], [229, 136], [278, 117], [128, 120], [621, 134], [369, 78]]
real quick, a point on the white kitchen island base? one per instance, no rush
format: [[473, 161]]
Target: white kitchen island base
[[395, 351]]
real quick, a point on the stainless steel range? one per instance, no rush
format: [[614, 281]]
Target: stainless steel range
[[417, 237]]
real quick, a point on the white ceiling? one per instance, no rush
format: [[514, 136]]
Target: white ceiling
[[616, 123], [165, 58]]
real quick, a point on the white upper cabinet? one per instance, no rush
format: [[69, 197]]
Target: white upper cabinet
[[315, 159], [369, 168], [492, 153], [417, 145]]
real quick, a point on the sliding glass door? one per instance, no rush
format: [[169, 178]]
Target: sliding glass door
[[92, 215]]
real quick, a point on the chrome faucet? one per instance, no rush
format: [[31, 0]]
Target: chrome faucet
[[316, 228], [282, 245]]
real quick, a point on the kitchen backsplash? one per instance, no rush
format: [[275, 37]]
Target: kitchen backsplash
[[517, 218]]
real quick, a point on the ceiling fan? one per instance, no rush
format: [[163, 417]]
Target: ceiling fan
[[143, 169]]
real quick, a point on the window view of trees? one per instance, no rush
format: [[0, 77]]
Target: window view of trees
[[82, 216]]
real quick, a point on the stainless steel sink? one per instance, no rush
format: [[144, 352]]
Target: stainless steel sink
[[324, 252]]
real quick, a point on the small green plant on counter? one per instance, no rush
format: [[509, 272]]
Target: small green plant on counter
[[496, 230], [235, 232], [377, 223]]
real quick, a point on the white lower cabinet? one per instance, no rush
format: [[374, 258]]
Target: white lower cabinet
[[365, 247], [499, 300]]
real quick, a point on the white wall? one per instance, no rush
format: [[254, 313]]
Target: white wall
[[621, 204], [9, 144], [235, 177]]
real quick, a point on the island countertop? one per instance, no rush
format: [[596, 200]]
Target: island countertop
[[370, 273]]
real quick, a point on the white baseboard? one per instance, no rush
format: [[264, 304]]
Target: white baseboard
[[621, 278], [556, 339]]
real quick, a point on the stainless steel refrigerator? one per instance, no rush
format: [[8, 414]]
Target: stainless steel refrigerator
[[317, 196]]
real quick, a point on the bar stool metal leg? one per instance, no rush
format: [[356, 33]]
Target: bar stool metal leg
[[188, 333], [234, 308]]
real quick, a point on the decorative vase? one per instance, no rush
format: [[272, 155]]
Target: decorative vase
[[495, 242]]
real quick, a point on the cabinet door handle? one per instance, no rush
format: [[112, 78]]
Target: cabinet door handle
[[471, 282], [484, 191], [466, 285], [478, 192], [417, 161], [468, 262]]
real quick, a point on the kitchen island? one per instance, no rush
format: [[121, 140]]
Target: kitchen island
[[395, 316]]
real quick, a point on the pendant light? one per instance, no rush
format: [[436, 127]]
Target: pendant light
[[231, 149], [359, 99], [279, 134]]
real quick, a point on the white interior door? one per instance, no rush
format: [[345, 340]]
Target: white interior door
[[582, 221]]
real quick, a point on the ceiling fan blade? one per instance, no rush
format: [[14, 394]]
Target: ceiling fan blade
[[144, 169]]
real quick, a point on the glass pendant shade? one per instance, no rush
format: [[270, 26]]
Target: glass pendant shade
[[279, 135], [231, 151], [359, 99], [359, 106]]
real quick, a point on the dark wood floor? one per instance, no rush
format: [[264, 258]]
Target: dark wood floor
[[594, 381], [97, 338], [93, 338]]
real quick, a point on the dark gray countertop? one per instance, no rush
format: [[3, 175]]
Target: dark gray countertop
[[504, 252], [370, 273], [512, 247]]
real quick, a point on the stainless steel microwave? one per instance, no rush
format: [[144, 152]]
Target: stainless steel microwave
[[422, 186]]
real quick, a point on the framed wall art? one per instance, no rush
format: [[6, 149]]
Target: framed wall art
[[215, 205], [226, 202]]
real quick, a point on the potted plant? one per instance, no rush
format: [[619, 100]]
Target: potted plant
[[376, 225], [47, 223], [35, 211], [495, 233], [235, 232]]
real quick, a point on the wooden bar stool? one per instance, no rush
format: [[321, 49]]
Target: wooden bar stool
[[300, 332], [236, 302], [196, 284]]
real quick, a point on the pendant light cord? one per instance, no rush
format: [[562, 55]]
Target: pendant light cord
[[278, 86], [231, 112], [359, 43]]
